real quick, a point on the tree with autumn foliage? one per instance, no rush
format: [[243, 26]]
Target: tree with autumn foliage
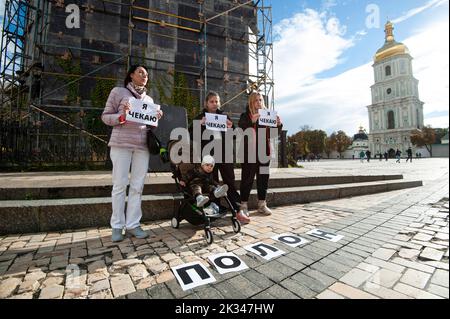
[[341, 142], [425, 137]]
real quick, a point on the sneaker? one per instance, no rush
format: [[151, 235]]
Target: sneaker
[[221, 191], [117, 235], [137, 232], [263, 209], [242, 218], [212, 210], [244, 209], [202, 200]]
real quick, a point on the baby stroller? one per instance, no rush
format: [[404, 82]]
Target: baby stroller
[[195, 215]]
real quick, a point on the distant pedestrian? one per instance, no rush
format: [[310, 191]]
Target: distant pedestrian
[[361, 156], [398, 154], [386, 156], [368, 154], [409, 152]]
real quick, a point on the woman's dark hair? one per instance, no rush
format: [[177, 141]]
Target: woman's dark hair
[[210, 95], [132, 69]]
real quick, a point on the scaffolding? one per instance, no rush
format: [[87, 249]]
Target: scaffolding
[[29, 87]]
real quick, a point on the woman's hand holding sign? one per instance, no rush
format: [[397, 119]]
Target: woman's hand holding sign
[[278, 121], [160, 114], [255, 117]]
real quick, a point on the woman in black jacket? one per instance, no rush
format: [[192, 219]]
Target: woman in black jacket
[[212, 105], [250, 169]]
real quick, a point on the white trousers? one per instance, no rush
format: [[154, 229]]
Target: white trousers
[[122, 159]]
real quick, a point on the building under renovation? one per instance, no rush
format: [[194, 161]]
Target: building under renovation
[[61, 58]]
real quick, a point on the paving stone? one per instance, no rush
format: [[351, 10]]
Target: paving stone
[[28, 295], [415, 278], [350, 292], [441, 278], [122, 285], [438, 290], [138, 272], [258, 279], [244, 286], [208, 293], [329, 294], [280, 292], [384, 254], [310, 283], [355, 277], [414, 265], [298, 289], [104, 294], [99, 286], [384, 293], [408, 253], [28, 286], [159, 292], [271, 273], [414, 292], [431, 254], [52, 281], [263, 295], [384, 264], [8, 287], [53, 292], [384, 277], [140, 294], [437, 264]]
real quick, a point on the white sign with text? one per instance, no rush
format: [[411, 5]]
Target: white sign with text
[[192, 275], [267, 118], [265, 251], [325, 235], [216, 122], [143, 112], [227, 262], [291, 240]]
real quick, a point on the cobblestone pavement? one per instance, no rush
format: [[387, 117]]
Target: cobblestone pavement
[[395, 245]]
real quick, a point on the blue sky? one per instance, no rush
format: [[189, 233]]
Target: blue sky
[[326, 49]]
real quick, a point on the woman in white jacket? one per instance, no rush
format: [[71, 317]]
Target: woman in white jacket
[[128, 148]]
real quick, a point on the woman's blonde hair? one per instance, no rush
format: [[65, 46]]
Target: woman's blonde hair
[[252, 99]]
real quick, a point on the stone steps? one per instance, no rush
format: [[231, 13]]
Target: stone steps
[[166, 185], [31, 216]]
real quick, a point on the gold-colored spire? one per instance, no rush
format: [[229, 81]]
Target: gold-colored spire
[[390, 47], [389, 30]]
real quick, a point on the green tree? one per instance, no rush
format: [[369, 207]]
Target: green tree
[[424, 137]]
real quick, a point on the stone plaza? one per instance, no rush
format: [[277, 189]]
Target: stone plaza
[[395, 246]]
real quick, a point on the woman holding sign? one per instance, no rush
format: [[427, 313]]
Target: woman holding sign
[[251, 120], [128, 149], [212, 107]]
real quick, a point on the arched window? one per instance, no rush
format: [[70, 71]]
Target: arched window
[[391, 120], [388, 70], [418, 118]]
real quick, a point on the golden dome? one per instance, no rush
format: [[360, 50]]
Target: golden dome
[[390, 47]]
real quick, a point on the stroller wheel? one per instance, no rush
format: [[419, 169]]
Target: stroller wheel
[[209, 236], [175, 223], [236, 226]]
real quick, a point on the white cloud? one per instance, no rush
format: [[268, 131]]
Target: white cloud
[[307, 44], [339, 103], [415, 11]]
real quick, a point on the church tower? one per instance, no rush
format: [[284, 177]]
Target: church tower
[[396, 109]]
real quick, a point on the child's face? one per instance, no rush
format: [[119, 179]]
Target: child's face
[[208, 168], [213, 104]]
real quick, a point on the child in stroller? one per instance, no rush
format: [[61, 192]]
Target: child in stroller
[[193, 181]]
